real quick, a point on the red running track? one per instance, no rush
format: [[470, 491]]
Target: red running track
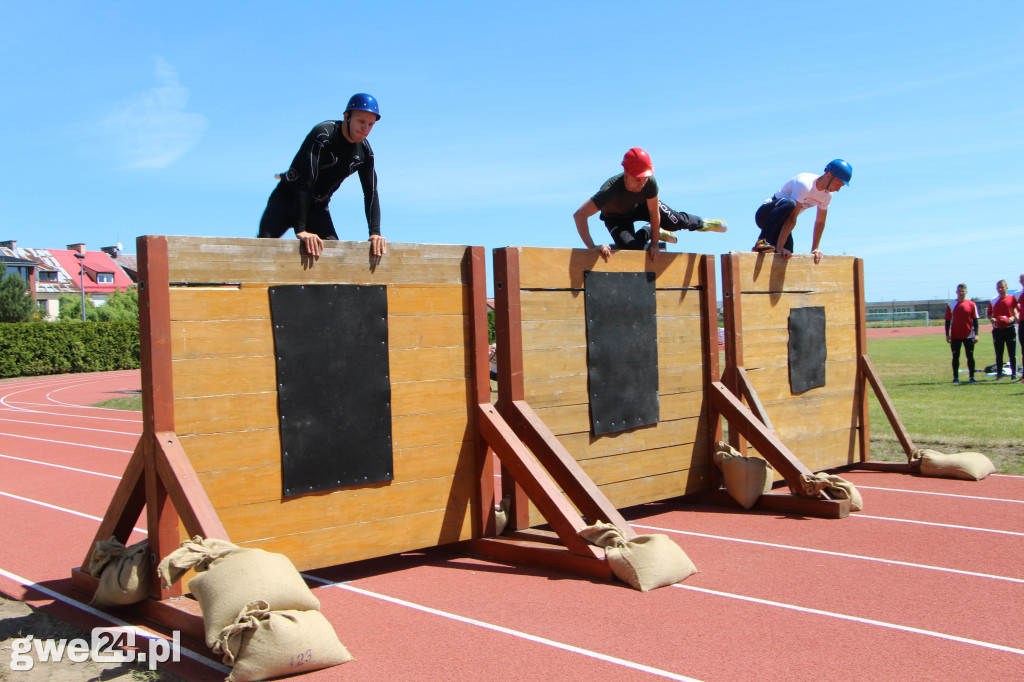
[[925, 584]]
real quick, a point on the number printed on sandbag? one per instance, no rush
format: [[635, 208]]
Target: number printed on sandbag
[[304, 658]]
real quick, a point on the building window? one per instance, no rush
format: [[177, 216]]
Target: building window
[[47, 276], [104, 278]]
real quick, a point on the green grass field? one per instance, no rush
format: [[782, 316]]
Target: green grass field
[[133, 402], [982, 417]]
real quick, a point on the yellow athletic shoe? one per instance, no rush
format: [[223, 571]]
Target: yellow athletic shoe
[[762, 246], [714, 226], [667, 236]]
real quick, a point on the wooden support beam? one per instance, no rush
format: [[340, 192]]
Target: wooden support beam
[[155, 335], [709, 332], [508, 330], [178, 613], [525, 548], [481, 378], [159, 477], [187, 494], [562, 467], [787, 504], [860, 389], [764, 441], [732, 315], [746, 390], [912, 467], [161, 522], [539, 487], [125, 506], [890, 410]]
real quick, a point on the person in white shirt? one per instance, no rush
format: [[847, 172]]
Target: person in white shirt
[[777, 216]]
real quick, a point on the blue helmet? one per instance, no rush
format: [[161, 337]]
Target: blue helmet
[[363, 102], [841, 170]]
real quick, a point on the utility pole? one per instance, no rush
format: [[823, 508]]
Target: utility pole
[[81, 268]]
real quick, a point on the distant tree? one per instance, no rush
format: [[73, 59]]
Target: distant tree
[[70, 308], [15, 303], [120, 305]]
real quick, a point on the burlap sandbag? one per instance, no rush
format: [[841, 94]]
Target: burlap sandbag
[[837, 487], [197, 553], [123, 572], [262, 643], [229, 577], [644, 563], [501, 515], [746, 478], [969, 466]]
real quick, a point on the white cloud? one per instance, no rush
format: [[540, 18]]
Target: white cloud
[[152, 130]]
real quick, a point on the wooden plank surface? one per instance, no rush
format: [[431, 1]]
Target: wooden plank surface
[[650, 462], [773, 273], [570, 419], [384, 536], [646, 489], [569, 304], [768, 311], [226, 401], [262, 448], [251, 301], [228, 260], [812, 414], [772, 383], [250, 499], [826, 449], [770, 348], [564, 268], [234, 338], [585, 446], [573, 390]]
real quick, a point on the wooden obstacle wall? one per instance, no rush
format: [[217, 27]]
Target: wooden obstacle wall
[[542, 346], [225, 399], [825, 427]]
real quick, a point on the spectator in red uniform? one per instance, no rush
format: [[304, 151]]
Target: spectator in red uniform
[[1018, 298], [1002, 313], [962, 330]]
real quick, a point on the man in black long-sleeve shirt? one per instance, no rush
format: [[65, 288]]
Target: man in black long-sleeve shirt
[[331, 152]]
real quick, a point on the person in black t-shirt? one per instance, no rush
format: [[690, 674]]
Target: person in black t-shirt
[[331, 152], [633, 196]]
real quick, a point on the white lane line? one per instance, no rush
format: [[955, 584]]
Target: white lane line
[[50, 425], [8, 400], [61, 442], [859, 515], [58, 466], [140, 632], [835, 554], [62, 509], [855, 619], [926, 492], [507, 631]]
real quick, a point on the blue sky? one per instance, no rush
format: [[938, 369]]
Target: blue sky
[[500, 119]]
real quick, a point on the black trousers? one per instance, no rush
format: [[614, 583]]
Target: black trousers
[[625, 237], [1006, 337], [280, 215], [968, 345]]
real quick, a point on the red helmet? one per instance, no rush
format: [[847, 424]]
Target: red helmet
[[637, 163]]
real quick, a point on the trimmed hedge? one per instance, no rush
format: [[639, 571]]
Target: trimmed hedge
[[33, 348]]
